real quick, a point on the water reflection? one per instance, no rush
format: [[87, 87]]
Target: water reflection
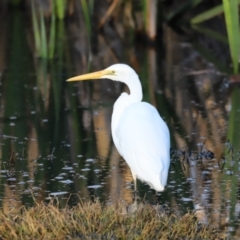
[[56, 139]]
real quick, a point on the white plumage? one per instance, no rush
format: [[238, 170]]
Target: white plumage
[[139, 133]]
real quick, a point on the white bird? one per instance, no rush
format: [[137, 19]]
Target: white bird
[[139, 133]]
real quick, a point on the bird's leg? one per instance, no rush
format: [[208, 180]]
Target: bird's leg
[[135, 186], [156, 196], [133, 207], [135, 189]]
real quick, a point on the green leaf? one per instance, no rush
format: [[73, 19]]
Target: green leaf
[[207, 14], [232, 23], [43, 36], [60, 6]]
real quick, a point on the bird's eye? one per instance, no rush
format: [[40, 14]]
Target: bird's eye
[[113, 72]]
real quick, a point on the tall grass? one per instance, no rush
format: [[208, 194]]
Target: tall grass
[[95, 221], [149, 11]]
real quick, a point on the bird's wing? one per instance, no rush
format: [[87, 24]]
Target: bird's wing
[[144, 143]]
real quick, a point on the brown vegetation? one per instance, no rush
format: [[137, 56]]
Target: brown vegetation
[[96, 221]]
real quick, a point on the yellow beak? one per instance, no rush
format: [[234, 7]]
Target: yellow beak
[[94, 75]]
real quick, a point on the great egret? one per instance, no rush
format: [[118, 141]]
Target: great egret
[[139, 133]]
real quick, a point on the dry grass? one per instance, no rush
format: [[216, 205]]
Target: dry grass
[[95, 221]]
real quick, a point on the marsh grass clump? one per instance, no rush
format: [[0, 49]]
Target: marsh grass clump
[[96, 221]]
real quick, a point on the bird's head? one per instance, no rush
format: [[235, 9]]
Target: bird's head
[[116, 72]]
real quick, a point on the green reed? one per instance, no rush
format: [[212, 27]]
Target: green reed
[[232, 23], [230, 10], [60, 8], [44, 44], [87, 9]]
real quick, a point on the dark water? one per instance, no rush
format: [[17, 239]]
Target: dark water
[[56, 138]]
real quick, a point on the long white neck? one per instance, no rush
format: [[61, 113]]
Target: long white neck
[[125, 100], [135, 88]]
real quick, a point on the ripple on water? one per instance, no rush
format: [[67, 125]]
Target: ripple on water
[[89, 160], [67, 181], [67, 168], [95, 186], [186, 199], [85, 169], [57, 193]]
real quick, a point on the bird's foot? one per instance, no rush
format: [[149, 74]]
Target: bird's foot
[[136, 197], [132, 208]]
